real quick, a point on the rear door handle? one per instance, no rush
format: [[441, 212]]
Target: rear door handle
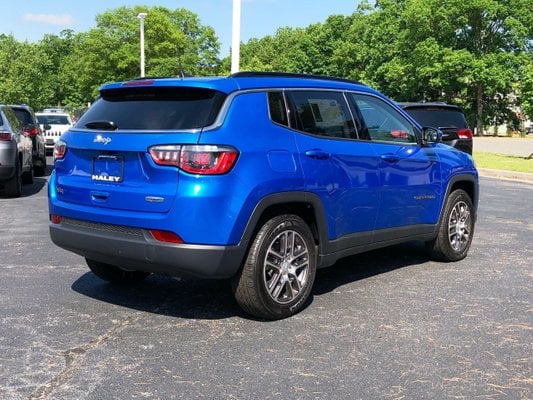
[[318, 154]]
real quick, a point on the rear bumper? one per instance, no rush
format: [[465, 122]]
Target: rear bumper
[[460, 144], [136, 249]]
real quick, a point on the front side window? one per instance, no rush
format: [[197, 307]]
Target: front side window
[[382, 122], [322, 113]]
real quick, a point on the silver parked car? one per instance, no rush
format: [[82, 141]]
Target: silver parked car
[[16, 164], [31, 127]]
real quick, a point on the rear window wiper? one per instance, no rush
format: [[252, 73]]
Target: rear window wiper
[[103, 125]]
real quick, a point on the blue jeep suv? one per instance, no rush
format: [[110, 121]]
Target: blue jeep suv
[[258, 177]]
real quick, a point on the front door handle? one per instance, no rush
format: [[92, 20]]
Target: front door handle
[[318, 154], [390, 158]]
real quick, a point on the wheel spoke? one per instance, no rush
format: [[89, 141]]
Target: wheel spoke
[[276, 286], [295, 286], [289, 244]]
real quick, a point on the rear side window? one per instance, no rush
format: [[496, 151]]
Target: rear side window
[[323, 113], [277, 108], [438, 117], [12, 119], [155, 108]]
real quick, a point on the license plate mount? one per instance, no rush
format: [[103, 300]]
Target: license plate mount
[[108, 168]]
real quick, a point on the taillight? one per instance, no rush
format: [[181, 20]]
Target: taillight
[[31, 131], [166, 236], [5, 136], [464, 134], [196, 159], [60, 148], [166, 155]]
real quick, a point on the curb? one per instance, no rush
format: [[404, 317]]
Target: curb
[[509, 175]]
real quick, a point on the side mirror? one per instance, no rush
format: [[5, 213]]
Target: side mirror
[[431, 135], [47, 127]]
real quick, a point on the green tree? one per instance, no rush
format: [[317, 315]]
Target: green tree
[[302, 50], [57, 49], [482, 42], [23, 73], [465, 52], [110, 52], [525, 85], [370, 51]]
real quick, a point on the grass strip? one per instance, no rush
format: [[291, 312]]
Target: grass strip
[[503, 161]]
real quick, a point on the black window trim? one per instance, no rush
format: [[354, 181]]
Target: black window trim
[[219, 120]]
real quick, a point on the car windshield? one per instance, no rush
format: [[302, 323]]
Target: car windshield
[[154, 108], [438, 117], [53, 119]]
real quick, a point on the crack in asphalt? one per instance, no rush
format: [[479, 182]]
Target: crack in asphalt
[[74, 357]]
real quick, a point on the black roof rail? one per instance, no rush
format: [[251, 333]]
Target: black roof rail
[[274, 74]]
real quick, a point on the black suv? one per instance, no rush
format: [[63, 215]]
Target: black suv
[[449, 118], [31, 128]]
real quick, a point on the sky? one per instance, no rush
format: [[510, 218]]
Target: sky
[[31, 19]]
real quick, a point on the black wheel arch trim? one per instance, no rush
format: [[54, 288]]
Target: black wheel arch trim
[[468, 178], [285, 199]]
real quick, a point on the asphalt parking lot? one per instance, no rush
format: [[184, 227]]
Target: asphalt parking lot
[[389, 324]]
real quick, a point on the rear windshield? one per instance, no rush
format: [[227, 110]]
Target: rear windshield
[[53, 119], [23, 116], [438, 117], [155, 108]]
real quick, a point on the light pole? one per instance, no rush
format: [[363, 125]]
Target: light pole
[[141, 17], [236, 36]]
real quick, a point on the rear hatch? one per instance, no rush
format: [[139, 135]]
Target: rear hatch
[[449, 120], [107, 162]]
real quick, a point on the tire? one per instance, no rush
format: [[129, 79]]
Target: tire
[[13, 187], [40, 170], [27, 177], [456, 229], [114, 274], [279, 271]]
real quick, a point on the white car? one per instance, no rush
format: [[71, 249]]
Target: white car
[[53, 124]]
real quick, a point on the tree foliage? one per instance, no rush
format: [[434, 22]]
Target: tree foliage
[[476, 53], [21, 66], [174, 40]]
